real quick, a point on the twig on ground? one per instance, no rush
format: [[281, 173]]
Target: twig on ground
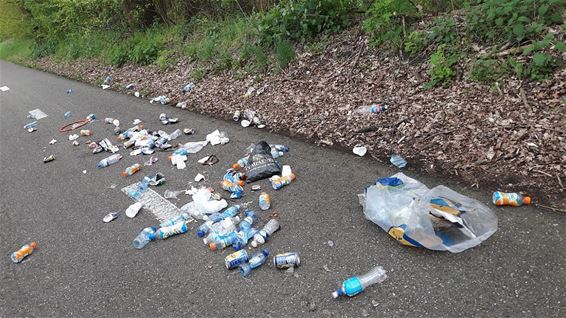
[[550, 208], [542, 172]]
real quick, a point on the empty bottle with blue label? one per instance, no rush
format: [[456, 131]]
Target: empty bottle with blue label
[[183, 217], [109, 161], [256, 261], [248, 220], [355, 285], [145, 236], [228, 224], [371, 109], [221, 228], [268, 229], [168, 231], [217, 217], [224, 241], [243, 238]]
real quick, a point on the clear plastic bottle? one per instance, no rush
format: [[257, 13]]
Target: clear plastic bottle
[[133, 209], [371, 109], [228, 224], [131, 170], [23, 252], [356, 284], [145, 236], [263, 235], [221, 228], [168, 231], [174, 135], [217, 217], [256, 261], [248, 221], [398, 161], [264, 201], [512, 199], [223, 241], [243, 238], [109, 161], [183, 217]]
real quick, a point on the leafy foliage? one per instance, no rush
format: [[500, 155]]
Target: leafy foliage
[[387, 20], [441, 68]]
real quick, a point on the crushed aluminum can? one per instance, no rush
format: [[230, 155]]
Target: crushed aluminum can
[[189, 131], [48, 158]]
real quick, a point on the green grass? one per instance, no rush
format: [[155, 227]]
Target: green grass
[[16, 50]]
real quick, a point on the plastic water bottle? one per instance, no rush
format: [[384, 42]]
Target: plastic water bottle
[[248, 220], [256, 261], [23, 252], [278, 182], [131, 170], [109, 161], [221, 228], [223, 241], [512, 199], [268, 229], [168, 231], [67, 114], [145, 236], [398, 161], [371, 109], [356, 284], [264, 201], [174, 135], [228, 224], [183, 217], [217, 217], [243, 238]]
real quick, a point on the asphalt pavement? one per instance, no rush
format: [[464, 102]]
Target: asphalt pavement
[[86, 268]]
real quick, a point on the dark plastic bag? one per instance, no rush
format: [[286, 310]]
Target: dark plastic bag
[[261, 164]]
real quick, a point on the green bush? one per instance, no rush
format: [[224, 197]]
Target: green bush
[[512, 21], [441, 66], [441, 31], [488, 71], [384, 21], [303, 20], [284, 53]]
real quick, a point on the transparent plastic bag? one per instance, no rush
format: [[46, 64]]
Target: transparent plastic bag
[[438, 219]]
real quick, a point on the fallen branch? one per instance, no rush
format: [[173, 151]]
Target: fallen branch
[[524, 97], [550, 208]]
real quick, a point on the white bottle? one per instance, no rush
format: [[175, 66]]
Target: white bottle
[[133, 209], [265, 233]]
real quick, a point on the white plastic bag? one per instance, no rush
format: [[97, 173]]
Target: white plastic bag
[[203, 203], [439, 219]]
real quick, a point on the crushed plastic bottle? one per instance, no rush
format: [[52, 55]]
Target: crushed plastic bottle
[[263, 235], [371, 109], [109, 161], [244, 237], [223, 241], [278, 182], [248, 221], [133, 209], [131, 170], [398, 161], [227, 225], [145, 236], [256, 261], [23, 252], [356, 284], [512, 199], [168, 231]]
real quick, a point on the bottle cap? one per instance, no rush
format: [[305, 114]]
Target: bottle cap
[[526, 200], [33, 245], [212, 246]]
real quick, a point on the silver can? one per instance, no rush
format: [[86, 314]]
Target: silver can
[[286, 260]]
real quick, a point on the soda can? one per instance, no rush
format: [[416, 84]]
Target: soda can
[[235, 259], [48, 158], [236, 115], [286, 260]]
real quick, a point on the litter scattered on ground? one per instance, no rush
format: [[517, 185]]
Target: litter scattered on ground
[[23, 252], [438, 219], [512, 199], [104, 86], [136, 122], [109, 161], [330, 243], [84, 171], [264, 201], [48, 158], [189, 87], [167, 120], [131, 170], [52, 142], [4, 88], [208, 160], [67, 114], [172, 194], [398, 161], [152, 160], [360, 151], [287, 260], [248, 117], [130, 86], [110, 217], [357, 284], [199, 177], [189, 131], [133, 210], [182, 105], [256, 187], [36, 114], [73, 137], [217, 138], [162, 99], [372, 109], [137, 94]]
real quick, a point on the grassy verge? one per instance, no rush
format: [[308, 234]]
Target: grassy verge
[[16, 50]]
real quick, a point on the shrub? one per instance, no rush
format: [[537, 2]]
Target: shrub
[[284, 53], [488, 71], [441, 66], [513, 21], [301, 21], [384, 21]]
